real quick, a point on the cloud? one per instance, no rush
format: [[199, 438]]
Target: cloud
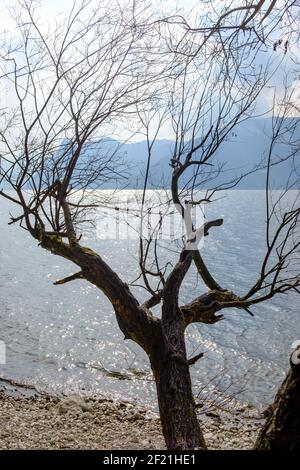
[[48, 9]]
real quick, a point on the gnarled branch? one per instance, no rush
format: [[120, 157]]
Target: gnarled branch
[[78, 275], [204, 308]]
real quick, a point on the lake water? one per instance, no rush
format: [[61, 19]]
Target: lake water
[[64, 339]]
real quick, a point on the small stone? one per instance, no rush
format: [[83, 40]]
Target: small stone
[[72, 404]]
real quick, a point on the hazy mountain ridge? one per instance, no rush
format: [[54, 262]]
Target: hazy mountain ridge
[[244, 147]]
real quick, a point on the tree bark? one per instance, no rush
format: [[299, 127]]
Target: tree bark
[[171, 370], [179, 421], [282, 428]]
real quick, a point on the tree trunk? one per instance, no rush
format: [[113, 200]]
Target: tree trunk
[[179, 421], [282, 428], [163, 340]]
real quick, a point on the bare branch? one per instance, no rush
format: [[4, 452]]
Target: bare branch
[[73, 277], [194, 359]]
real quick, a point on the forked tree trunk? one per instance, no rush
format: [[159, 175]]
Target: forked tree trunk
[[282, 428], [162, 340], [169, 363], [179, 421]]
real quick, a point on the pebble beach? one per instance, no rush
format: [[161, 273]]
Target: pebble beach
[[45, 422]]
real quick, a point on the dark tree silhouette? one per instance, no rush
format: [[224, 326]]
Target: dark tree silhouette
[[282, 428]]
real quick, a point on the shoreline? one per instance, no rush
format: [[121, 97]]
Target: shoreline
[[42, 421]]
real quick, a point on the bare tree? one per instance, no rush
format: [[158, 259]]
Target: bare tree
[[73, 86], [265, 22], [203, 116], [282, 428]]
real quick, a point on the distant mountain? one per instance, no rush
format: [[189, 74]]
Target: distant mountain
[[244, 148]]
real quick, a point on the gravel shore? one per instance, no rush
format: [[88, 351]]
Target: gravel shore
[[46, 422]]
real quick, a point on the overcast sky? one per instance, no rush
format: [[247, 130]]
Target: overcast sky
[[52, 8]]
